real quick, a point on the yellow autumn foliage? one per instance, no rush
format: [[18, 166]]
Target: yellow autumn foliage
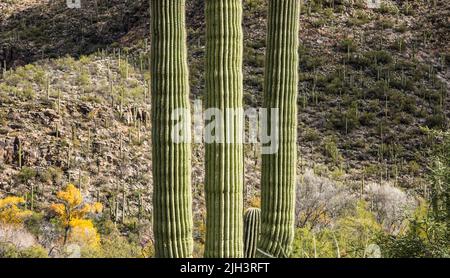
[[71, 196], [10, 212], [83, 231], [71, 213]]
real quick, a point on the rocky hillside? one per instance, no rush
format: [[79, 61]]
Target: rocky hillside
[[74, 97]]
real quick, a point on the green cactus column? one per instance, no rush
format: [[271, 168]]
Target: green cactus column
[[252, 229], [172, 200], [224, 160], [280, 91]]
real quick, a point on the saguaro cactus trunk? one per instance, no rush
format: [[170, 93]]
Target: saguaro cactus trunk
[[252, 229], [172, 208], [224, 156], [280, 91]]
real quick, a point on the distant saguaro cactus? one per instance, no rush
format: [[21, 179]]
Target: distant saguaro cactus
[[280, 91], [252, 229], [172, 199], [224, 160]]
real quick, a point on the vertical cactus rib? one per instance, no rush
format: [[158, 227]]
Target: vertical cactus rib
[[252, 229], [172, 200], [224, 160], [280, 91]]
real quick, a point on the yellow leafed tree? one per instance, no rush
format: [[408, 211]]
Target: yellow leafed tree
[[83, 230], [72, 213], [10, 212]]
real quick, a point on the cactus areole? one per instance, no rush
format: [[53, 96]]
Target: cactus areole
[[172, 200], [280, 91], [224, 161]]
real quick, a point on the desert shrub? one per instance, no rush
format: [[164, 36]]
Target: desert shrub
[[311, 134], [385, 23], [347, 45], [36, 251], [407, 9], [406, 85], [26, 93], [51, 175], [413, 167], [337, 173], [8, 250], [336, 85], [408, 104], [360, 17], [425, 237], [331, 150], [115, 245], [320, 200], [255, 81], [85, 60], [310, 62], [388, 8], [357, 231], [34, 224], [255, 5], [399, 45], [351, 236], [391, 205], [379, 56], [84, 79], [359, 61], [105, 225], [26, 174], [345, 120], [320, 22], [367, 118], [378, 90], [91, 98], [254, 58], [436, 121], [314, 244], [401, 28], [360, 4], [404, 118]]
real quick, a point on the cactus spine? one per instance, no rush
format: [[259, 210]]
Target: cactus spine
[[280, 91], [224, 161], [252, 229], [172, 198]]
